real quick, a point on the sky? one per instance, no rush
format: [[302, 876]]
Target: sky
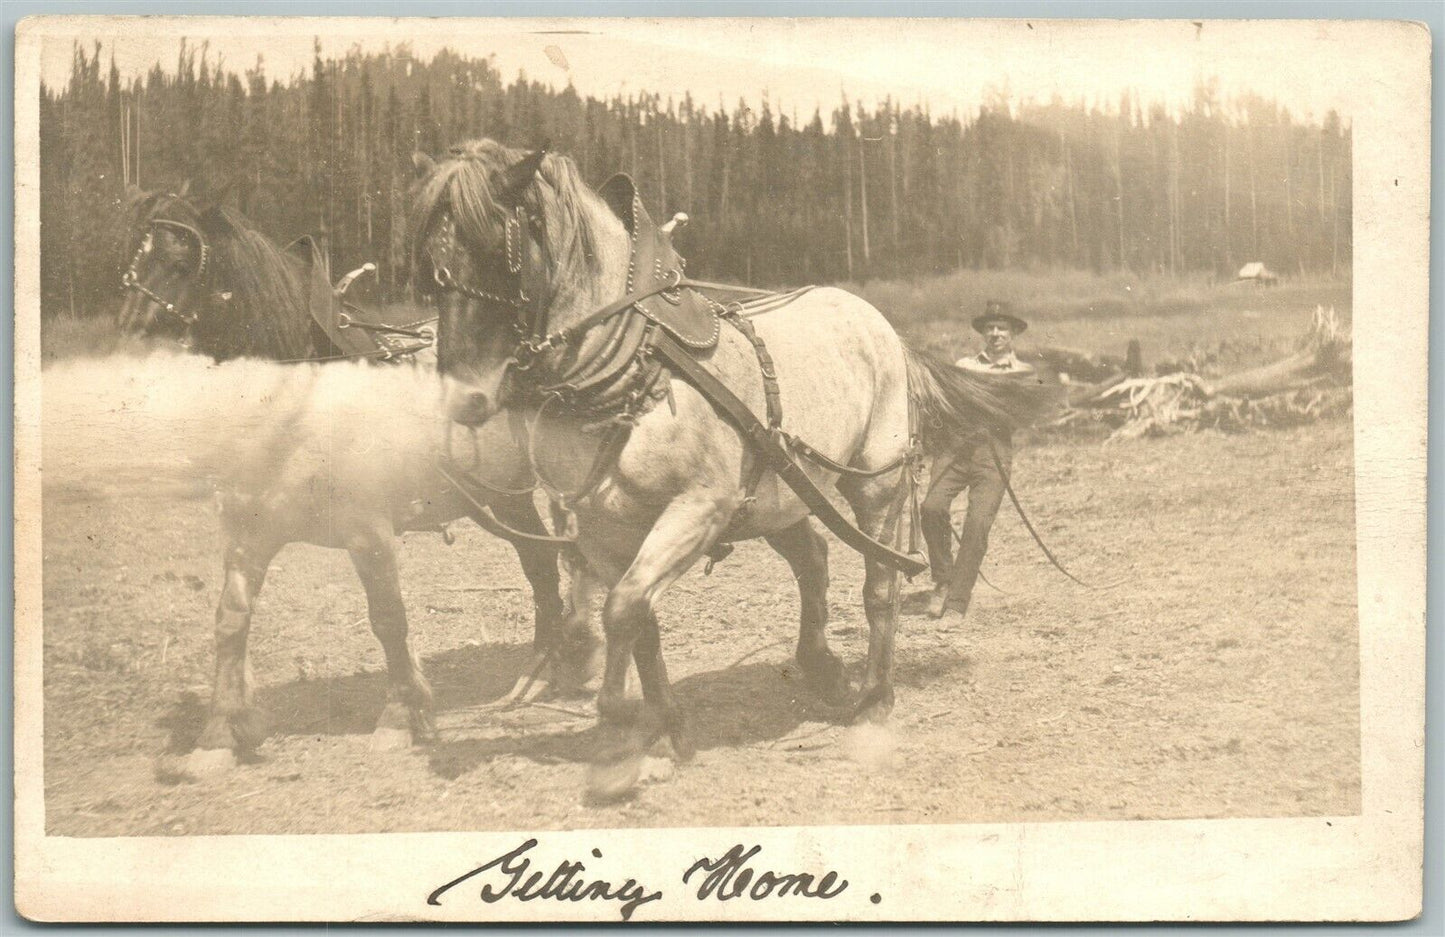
[[798, 64]]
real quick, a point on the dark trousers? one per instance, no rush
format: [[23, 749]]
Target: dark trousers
[[970, 467]]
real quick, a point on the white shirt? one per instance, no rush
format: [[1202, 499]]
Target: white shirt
[[1006, 364]]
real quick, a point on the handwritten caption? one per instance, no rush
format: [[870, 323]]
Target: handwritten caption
[[729, 876]]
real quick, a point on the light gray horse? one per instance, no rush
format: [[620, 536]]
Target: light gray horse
[[523, 255]]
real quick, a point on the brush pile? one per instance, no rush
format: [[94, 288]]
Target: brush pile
[[1311, 383]]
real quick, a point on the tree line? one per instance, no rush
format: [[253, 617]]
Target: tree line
[[775, 198]]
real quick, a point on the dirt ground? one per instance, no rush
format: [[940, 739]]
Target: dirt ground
[[1218, 676]]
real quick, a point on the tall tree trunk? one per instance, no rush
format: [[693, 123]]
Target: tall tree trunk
[[124, 144], [1253, 203], [1069, 189], [1119, 195], [848, 206], [661, 174], [863, 198], [1288, 190], [1320, 176], [893, 191], [1228, 229]]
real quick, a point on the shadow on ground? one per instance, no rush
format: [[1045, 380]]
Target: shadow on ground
[[734, 707]]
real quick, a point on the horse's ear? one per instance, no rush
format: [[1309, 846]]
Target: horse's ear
[[423, 164], [521, 173]]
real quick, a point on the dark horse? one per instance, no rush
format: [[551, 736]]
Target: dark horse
[[320, 476], [541, 280], [207, 276]]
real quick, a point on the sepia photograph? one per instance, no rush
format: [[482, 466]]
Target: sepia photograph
[[693, 469]]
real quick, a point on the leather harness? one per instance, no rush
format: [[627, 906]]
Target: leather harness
[[355, 332], [656, 330]]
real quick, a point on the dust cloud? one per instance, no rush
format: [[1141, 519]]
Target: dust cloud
[[168, 422]]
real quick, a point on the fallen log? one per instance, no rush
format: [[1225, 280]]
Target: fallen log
[[1313, 382], [1085, 368]]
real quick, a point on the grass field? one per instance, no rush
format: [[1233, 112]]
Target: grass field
[[1216, 676], [1224, 325]]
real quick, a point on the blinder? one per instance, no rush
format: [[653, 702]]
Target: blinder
[[130, 279], [527, 312]]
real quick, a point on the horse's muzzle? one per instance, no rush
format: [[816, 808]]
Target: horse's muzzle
[[466, 404]]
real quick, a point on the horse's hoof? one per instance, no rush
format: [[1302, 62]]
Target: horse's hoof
[[209, 762], [614, 780], [578, 675], [682, 744], [875, 706], [390, 739]]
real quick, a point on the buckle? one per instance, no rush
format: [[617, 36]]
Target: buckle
[[528, 350], [671, 293]]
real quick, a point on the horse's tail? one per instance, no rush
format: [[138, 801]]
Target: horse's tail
[[953, 403]]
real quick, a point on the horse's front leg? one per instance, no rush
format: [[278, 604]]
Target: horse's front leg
[[407, 717], [684, 531], [878, 506], [234, 726]]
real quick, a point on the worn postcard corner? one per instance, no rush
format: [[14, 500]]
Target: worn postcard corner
[[708, 470]]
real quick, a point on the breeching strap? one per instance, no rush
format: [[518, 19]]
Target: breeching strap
[[762, 438]]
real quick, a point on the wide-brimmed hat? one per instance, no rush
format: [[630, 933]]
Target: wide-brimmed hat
[[996, 311]]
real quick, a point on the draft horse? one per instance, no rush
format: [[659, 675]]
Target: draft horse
[[566, 308], [316, 477]]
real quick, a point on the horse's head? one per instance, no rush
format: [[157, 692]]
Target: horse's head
[[474, 238], [167, 273], [506, 244]]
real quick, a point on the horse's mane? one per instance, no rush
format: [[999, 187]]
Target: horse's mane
[[269, 309], [470, 182]]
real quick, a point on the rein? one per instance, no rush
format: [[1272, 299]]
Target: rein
[[489, 520], [1008, 487]]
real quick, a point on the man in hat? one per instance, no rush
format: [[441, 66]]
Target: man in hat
[[977, 464]]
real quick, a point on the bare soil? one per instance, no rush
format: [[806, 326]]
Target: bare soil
[[1217, 676]]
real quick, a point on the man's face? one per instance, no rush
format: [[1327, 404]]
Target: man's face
[[998, 339]]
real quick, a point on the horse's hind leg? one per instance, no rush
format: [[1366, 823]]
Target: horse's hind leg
[[234, 726], [407, 717], [679, 537], [807, 554], [878, 508]]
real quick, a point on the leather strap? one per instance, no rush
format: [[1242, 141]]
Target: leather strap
[[771, 393], [765, 441], [493, 525]]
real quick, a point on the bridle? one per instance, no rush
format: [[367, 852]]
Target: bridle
[[528, 311], [528, 317], [130, 280]]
